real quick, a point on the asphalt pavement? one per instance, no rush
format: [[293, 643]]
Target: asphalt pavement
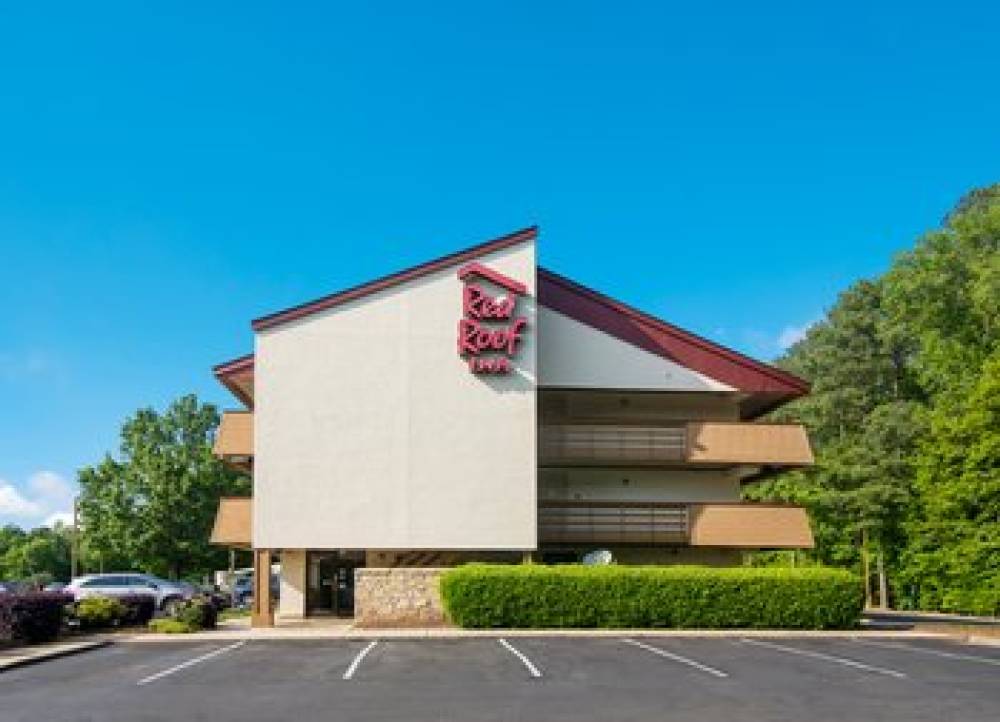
[[536, 679]]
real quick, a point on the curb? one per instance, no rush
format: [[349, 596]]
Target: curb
[[55, 653], [430, 634]]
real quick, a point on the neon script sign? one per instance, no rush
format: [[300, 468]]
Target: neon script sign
[[489, 332]]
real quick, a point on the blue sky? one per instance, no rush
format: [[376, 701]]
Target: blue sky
[[167, 174]]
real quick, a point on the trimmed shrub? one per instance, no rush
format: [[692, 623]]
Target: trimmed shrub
[[197, 613], [32, 617], [168, 625], [98, 611], [538, 596]]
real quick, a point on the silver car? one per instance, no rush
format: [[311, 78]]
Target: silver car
[[166, 593]]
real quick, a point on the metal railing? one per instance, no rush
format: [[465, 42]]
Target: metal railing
[[586, 443], [622, 522]]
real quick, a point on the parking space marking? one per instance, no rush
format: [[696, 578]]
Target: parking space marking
[[935, 652], [189, 663], [532, 669], [827, 657], [357, 660], [677, 658]]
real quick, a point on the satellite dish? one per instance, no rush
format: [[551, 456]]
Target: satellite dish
[[598, 557]]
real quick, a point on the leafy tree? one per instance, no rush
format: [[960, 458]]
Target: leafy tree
[[153, 507], [954, 561], [863, 420], [40, 555], [902, 416], [944, 297]]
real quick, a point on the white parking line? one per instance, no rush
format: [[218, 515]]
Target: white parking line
[[189, 663], [935, 652], [827, 657], [357, 660], [677, 658], [532, 669]]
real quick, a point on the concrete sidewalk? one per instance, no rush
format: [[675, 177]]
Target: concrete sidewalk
[[15, 657], [977, 630]]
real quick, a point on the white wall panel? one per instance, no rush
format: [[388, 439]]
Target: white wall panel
[[370, 431]]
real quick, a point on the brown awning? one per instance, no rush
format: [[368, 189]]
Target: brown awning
[[750, 526], [741, 443], [234, 439], [233, 522]]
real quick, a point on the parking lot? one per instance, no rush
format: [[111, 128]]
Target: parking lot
[[516, 678]]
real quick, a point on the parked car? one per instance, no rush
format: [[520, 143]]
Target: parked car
[[242, 594], [166, 593]]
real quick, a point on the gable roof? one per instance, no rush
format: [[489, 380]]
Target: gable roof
[[393, 279], [769, 386], [765, 386], [478, 269]]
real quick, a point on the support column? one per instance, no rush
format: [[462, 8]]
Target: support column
[[261, 614], [292, 594]]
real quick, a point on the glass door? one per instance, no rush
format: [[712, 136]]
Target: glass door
[[322, 568]]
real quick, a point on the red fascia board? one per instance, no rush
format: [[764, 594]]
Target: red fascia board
[[229, 371], [478, 269], [663, 339], [234, 366], [394, 279]]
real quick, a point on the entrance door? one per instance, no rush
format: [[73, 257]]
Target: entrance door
[[319, 592], [344, 590], [330, 588]]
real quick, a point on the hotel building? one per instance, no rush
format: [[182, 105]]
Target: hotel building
[[479, 407]]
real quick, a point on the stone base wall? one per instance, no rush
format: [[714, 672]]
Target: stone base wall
[[398, 597]]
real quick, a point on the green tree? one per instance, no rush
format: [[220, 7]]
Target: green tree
[[943, 297], [897, 409], [863, 418], [954, 560], [11, 539], [40, 555], [153, 507]]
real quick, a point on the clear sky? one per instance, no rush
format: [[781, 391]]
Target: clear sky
[[167, 174]]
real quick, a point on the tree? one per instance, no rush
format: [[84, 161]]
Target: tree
[[904, 386], [40, 555], [943, 297], [861, 415], [954, 562], [153, 508]]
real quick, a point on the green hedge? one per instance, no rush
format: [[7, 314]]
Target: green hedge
[[537, 596]]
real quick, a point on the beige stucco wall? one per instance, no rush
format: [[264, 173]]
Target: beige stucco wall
[[585, 484], [371, 433], [292, 589], [576, 355]]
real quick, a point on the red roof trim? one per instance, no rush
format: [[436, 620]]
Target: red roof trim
[[659, 337], [380, 284], [478, 269], [229, 371], [236, 365]]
